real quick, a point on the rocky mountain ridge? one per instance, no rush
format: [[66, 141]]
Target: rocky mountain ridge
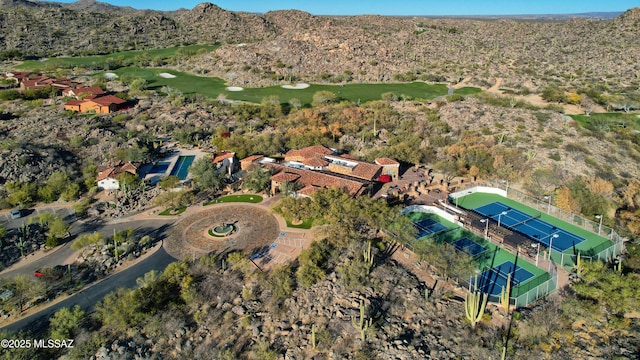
[[294, 44]]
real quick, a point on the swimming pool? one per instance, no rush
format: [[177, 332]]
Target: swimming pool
[[160, 167], [181, 168]]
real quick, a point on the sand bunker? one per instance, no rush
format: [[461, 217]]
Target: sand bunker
[[296, 86], [234, 88], [110, 76], [166, 75]]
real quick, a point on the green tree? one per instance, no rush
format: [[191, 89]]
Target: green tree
[[257, 179], [65, 323], [323, 97], [311, 262], [24, 288], [280, 282], [174, 199], [206, 176], [21, 194], [270, 108], [71, 193], [87, 239], [169, 182], [447, 261]]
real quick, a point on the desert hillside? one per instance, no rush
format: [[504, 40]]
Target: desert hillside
[[527, 54]]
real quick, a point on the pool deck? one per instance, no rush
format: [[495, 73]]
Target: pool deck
[[154, 178]]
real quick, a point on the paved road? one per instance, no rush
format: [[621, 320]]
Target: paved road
[[86, 299], [8, 223], [155, 228]]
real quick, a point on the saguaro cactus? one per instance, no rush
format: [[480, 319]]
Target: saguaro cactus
[[579, 267], [366, 254], [363, 324], [504, 294], [313, 336], [474, 305]]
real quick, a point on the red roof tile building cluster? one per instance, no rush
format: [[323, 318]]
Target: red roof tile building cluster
[[317, 167]]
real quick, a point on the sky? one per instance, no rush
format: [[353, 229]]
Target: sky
[[395, 7]]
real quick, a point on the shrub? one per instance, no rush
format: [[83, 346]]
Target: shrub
[[52, 242]]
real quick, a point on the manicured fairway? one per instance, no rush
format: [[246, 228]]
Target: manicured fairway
[[212, 87], [125, 56]]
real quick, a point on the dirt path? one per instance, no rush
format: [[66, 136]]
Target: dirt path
[[461, 83], [495, 88]]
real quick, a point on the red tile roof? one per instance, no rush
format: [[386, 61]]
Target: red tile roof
[[108, 100], [74, 102], [111, 171], [309, 151], [386, 161], [315, 162], [223, 156], [252, 158], [308, 190], [285, 176], [320, 179], [362, 170]]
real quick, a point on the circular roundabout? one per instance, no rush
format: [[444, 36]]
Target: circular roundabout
[[222, 228]]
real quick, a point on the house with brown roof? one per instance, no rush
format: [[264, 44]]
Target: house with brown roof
[[310, 181], [102, 105], [317, 167], [226, 162], [43, 82], [108, 174]]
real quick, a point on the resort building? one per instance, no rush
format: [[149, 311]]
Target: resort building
[[317, 167]]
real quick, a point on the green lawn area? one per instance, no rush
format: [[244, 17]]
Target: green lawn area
[[492, 256], [212, 87], [167, 212], [247, 198], [603, 121], [306, 224], [592, 241], [126, 56]]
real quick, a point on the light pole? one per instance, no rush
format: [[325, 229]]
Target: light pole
[[507, 188], [599, 226], [537, 252], [500, 215], [549, 205], [554, 236], [486, 228]]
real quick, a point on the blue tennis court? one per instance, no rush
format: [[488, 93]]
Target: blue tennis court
[[529, 226], [469, 246], [493, 280], [428, 227]]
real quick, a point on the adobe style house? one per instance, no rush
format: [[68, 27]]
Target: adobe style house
[[317, 167], [226, 162], [105, 104], [108, 174], [43, 82]]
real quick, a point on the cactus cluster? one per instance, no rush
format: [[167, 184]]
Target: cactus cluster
[[474, 305]]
